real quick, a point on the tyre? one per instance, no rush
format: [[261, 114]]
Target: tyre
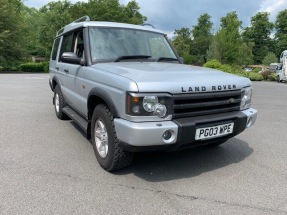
[[105, 143], [59, 103]]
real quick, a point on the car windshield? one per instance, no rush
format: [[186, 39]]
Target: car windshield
[[117, 44]]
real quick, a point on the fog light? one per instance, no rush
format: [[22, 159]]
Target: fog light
[[249, 122], [168, 136]]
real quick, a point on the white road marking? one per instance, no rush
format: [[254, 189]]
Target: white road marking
[[37, 78]]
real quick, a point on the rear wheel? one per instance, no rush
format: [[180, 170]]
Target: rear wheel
[[59, 103], [105, 143]]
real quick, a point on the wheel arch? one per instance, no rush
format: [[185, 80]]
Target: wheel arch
[[55, 81], [100, 96]]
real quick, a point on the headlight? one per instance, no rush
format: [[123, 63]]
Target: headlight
[[246, 94], [149, 105]]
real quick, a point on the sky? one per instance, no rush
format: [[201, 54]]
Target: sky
[[169, 15]]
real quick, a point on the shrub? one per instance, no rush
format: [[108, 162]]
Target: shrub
[[226, 68], [214, 64], [255, 76], [256, 70], [1, 68], [9, 65], [46, 66], [35, 67], [269, 58], [272, 77], [265, 74], [187, 58]]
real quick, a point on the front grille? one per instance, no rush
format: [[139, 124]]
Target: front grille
[[188, 105]]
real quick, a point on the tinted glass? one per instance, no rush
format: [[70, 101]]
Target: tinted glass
[[55, 48], [68, 43]]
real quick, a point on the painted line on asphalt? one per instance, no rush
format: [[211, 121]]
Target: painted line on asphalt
[[38, 78]]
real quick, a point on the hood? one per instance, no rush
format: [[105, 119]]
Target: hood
[[175, 78]]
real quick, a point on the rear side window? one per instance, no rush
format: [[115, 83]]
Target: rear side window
[[55, 48]]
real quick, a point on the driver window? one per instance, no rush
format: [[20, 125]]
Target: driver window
[[79, 44], [73, 42]]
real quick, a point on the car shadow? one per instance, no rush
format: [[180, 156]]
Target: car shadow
[[187, 163], [166, 166]]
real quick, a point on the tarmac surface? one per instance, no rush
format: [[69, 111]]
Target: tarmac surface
[[47, 166]]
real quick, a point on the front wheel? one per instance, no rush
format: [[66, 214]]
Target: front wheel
[[105, 143]]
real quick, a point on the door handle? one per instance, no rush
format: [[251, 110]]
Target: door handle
[[66, 71], [57, 68]]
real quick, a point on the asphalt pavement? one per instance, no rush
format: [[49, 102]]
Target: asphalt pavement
[[47, 166]]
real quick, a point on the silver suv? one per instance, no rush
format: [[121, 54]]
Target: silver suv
[[127, 88]]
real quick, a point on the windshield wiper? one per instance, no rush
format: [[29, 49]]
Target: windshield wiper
[[166, 59], [127, 57]]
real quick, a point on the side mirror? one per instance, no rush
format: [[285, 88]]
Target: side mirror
[[181, 59], [71, 57]]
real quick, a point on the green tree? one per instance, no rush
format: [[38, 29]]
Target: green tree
[[202, 36], [214, 52], [31, 33], [180, 45], [227, 41], [269, 58], [182, 42], [259, 33], [185, 33], [281, 32], [11, 33], [132, 14], [56, 15], [51, 18], [245, 55], [108, 10], [230, 39]]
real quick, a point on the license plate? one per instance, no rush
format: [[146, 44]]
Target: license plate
[[214, 131]]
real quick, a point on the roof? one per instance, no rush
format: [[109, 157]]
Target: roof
[[75, 25]]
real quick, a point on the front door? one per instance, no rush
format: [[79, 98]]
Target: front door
[[72, 74]]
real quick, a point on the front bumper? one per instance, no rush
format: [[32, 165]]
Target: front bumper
[[149, 135]]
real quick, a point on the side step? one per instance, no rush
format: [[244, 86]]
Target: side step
[[78, 119]]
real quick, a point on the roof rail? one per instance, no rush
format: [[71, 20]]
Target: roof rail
[[84, 18], [60, 31], [147, 24]]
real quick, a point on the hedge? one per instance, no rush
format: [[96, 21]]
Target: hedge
[[253, 76], [35, 67]]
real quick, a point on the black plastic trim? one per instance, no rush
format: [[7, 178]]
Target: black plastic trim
[[187, 126], [51, 85], [104, 95], [87, 48], [56, 79], [83, 123]]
